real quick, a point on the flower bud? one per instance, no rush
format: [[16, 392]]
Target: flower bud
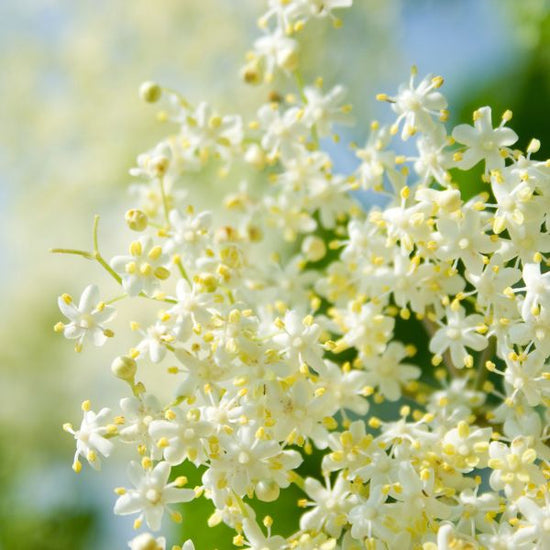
[[124, 367], [267, 491], [136, 220], [255, 156], [314, 248], [251, 73], [150, 92]]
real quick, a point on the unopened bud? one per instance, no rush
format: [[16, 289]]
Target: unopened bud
[[314, 248], [136, 220], [124, 367], [150, 92]]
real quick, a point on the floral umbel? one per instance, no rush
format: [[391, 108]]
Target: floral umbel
[[280, 312]]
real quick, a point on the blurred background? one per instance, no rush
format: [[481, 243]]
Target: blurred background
[[71, 125]]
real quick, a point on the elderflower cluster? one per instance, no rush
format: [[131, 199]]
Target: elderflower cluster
[[277, 330]]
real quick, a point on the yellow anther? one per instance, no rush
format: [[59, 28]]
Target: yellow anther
[[161, 273], [162, 443], [146, 269], [155, 252], [59, 327], [463, 429], [130, 268], [437, 81], [77, 466], [135, 248], [375, 422], [146, 463], [67, 298], [86, 405], [308, 320]]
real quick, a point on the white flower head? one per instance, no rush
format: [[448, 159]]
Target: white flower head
[[152, 494], [87, 319], [143, 269], [91, 441], [483, 142]]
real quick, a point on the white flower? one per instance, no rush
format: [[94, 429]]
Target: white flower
[[86, 320], [375, 158], [207, 131], [528, 377], [483, 142], [143, 269], [190, 234], [146, 541], [537, 293], [458, 334], [298, 340], [192, 309], [139, 412], [464, 238], [156, 337], [258, 541], [90, 437], [182, 438], [316, 8], [155, 163], [367, 519], [365, 327], [466, 449], [283, 133], [514, 467], [537, 527], [278, 50], [331, 506], [491, 283], [247, 460], [152, 494], [433, 161], [325, 110], [342, 389], [387, 373], [416, 105]]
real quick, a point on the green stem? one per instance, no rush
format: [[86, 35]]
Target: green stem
[[182, 270], [87, 255], [99, 257], [164, 200]]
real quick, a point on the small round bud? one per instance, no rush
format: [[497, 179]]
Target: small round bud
[[314, 248], [267, 491], [150, 92], [251, 73], [124, 367], [136, 220], [255, 156]]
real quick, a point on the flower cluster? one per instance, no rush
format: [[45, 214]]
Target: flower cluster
[[279, 315]]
